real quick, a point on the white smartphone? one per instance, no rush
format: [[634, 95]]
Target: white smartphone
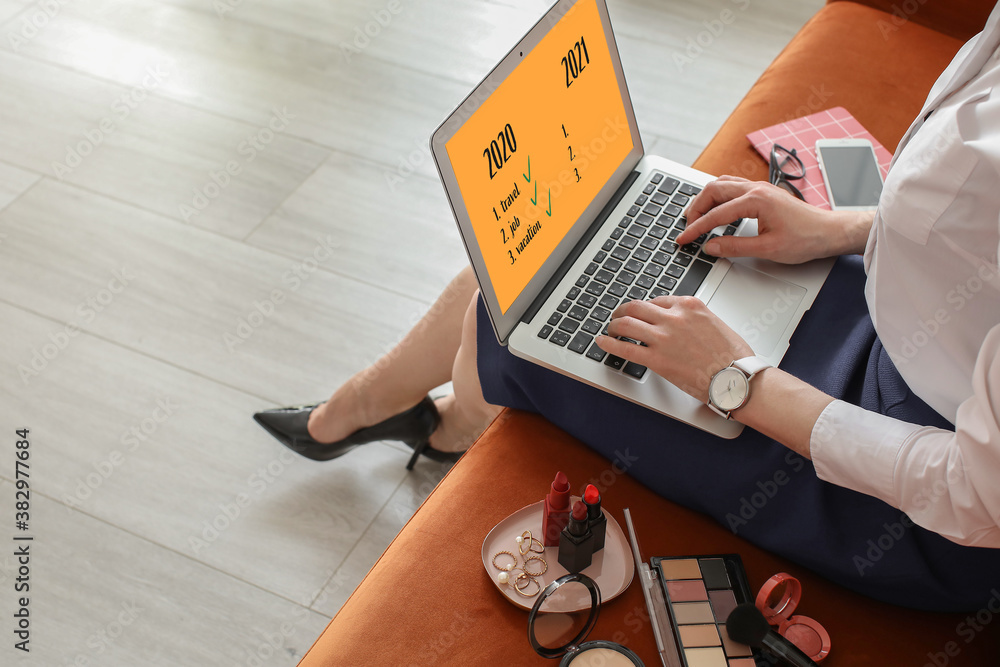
[[850, 172]]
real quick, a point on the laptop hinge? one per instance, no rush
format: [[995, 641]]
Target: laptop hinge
[[588, 236]]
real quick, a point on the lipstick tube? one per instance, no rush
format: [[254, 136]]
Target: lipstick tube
[[576, 542], [595, 516], [557, 509]]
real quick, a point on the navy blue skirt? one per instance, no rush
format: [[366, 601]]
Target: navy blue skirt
[[756, 487]]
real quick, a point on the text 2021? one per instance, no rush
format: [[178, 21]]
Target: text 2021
[[575, 60]]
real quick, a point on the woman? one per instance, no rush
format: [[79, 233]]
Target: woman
[[901, 499]]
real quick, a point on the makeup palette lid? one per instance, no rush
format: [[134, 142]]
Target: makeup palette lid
[[557, 624]]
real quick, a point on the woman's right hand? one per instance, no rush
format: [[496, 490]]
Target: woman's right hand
[[789, 230]]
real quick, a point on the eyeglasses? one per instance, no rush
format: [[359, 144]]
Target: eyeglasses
[[785, 168]]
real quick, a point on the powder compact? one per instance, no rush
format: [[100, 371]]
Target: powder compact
[[777, 600], [558, 626]]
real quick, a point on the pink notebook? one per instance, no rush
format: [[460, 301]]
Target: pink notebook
[[802, 133]]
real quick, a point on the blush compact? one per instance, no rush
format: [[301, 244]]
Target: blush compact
[[777, 600], [562, 618]]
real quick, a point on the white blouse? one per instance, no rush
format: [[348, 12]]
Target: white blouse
[[934, 295]]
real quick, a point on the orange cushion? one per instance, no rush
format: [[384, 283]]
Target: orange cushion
[[960, 19], [428, 600], [839, 59]]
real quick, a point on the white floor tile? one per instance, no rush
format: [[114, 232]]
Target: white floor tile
[[13, 182], [394, 228], [271, 325], [101, 596]]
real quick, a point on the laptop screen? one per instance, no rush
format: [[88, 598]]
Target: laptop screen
[[535, 154]]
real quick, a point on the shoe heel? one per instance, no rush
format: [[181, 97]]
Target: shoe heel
[[418, 449]]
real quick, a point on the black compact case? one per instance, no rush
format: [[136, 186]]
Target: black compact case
[[700, 592], [562, 618]]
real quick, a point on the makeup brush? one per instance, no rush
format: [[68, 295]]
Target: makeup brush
[[748, 626]]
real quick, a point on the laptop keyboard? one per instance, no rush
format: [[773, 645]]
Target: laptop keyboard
[[639, 260]]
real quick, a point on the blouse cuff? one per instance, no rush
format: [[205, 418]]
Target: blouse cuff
[[858, 449]]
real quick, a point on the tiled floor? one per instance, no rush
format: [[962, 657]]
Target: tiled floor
[[150, 301]]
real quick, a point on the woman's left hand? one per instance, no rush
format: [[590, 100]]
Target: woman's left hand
[[685, 342]]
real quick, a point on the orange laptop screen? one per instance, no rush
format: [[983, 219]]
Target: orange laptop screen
[[535, 154]]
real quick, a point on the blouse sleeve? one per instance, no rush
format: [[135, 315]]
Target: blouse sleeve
[[947, 482]]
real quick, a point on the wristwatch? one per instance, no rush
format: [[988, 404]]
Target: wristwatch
[[730, 387]]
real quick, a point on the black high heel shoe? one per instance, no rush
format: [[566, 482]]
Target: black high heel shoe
[[289, 426]]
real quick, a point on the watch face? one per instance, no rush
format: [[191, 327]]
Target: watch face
[[729, 389]]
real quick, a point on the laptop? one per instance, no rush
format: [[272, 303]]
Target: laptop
[[564, 217]]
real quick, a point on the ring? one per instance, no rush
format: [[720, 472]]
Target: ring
[[531, 542], [504, 577], [545, 566], [528, 581], [506, 568], [521, 540]]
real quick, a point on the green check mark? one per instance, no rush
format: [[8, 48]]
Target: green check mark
[[534, 200], [527, 176], [549, 212]]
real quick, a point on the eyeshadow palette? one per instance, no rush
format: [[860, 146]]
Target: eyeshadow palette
[[700, 592]]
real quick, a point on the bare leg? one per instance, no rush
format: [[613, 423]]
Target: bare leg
[[422, 360], [464, 414]]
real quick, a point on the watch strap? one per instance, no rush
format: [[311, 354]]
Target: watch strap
[[751, 365]]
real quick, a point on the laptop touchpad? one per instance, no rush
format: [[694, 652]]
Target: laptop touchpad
[[757, 306]]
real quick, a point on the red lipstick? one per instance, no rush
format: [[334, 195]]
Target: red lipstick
[[576, 542], [556, 510], [595, 515]]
